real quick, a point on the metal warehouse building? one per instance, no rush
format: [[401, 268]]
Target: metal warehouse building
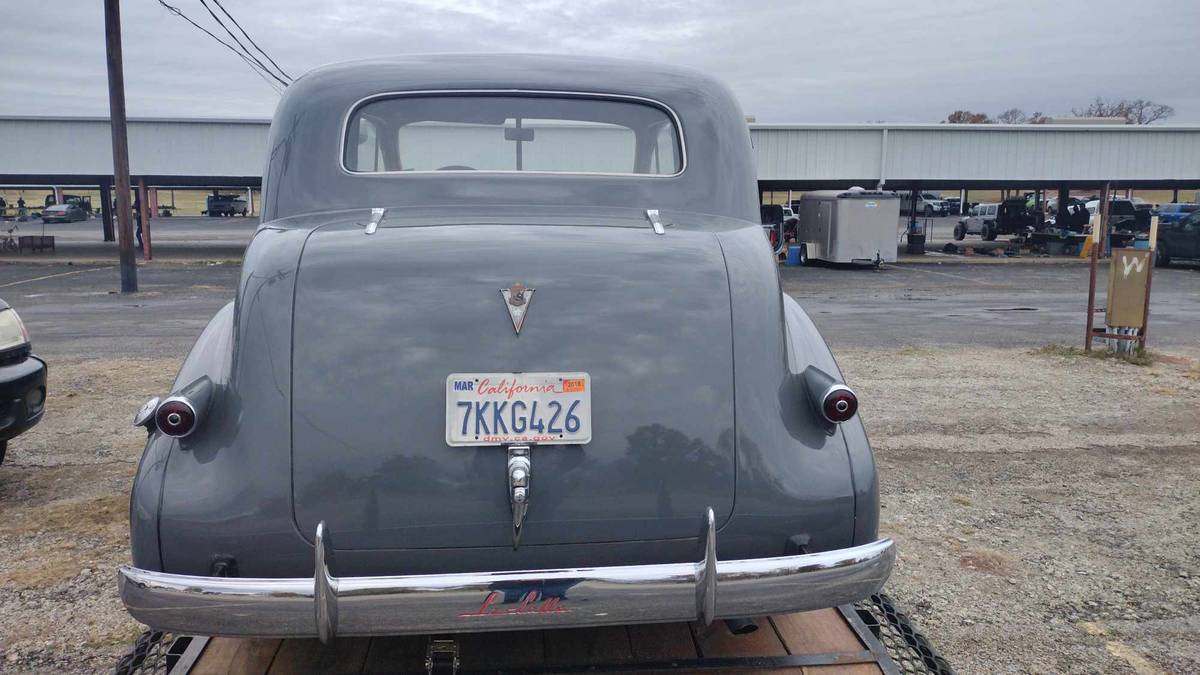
[[232, 152]]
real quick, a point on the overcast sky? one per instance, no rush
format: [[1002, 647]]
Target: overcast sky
[[788, 61]]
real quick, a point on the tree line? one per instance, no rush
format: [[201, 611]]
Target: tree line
[[1133, 111]]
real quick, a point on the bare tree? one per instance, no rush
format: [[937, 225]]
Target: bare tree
[[1134, 111], [1037, 118], [1012, 116], [967, 117]]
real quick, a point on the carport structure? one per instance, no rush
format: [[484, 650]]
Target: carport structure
[[196, 152], [1036, 157], [76, 152]]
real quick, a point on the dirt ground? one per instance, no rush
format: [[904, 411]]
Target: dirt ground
[[1045, 523], [1047, 508]]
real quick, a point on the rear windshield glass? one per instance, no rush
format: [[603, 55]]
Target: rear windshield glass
[[512, 133]]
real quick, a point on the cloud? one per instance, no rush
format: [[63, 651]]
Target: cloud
[[811, 61]]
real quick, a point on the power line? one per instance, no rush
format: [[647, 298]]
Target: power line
[[243, 30], [253, 66], [245, 51]]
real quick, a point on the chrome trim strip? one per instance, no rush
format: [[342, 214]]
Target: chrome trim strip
[[325, 606], [341, 160], [376, 218], [652, 216]]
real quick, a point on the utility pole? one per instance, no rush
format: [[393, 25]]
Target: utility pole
[[120, 144]]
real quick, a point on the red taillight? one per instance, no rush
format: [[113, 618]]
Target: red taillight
[[175, 417], [839, 404]]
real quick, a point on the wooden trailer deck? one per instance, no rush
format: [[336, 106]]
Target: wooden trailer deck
[[824, 642]]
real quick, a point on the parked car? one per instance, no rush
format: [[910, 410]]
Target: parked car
[[953, 205], [22, 379], [226, 205], [1012, 216], [1178, 239], [505, 370], [63, 213], [979, 220], [1172, 212], [928, 204], [1123, 216], [82, 201]]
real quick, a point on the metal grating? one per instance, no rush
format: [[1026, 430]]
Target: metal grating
[[154, 653], [909, 649]]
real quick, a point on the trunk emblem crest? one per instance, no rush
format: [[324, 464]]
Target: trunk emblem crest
[[516, 299]]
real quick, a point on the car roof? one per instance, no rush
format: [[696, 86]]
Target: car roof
[[307, 136]]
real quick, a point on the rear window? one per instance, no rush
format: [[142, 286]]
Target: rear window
[[526, 133]]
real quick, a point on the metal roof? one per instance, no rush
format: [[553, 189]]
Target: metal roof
[[800, 156]]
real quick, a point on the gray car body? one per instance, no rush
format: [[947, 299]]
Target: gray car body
[[328, 368]]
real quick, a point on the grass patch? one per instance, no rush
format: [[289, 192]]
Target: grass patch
[[90, 515], [1138, 357], [987, 561], [54, 564]]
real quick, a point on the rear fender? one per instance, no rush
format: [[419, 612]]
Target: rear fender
[[793, 482], [209, 357], [223, 493], [806, 348]]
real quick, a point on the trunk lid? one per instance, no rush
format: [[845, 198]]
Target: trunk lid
[[381, 320]]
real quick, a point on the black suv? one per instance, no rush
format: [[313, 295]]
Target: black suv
[[227, 205], [1180, 239]]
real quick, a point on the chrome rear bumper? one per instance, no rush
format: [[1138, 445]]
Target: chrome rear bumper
[[326, 606]]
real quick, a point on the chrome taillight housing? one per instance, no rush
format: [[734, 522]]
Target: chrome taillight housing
[[176, 417], [830, 400], [179, 414], [838, 404]]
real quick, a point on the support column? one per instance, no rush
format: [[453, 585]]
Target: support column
[[153, 194], [1064, 197], [144, 218], [58, 195], [106, 222], [1175, 196], [962, 202]]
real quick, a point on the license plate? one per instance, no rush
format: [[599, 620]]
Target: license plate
[[506, 408]]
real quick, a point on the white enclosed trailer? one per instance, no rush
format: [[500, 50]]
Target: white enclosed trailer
[[849, 226]]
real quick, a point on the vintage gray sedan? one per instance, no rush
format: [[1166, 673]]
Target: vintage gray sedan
[[508, 351]]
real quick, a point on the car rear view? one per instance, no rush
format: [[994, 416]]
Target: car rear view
[[523, 361]]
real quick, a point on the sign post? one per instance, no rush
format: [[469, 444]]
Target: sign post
[[1127, 305]]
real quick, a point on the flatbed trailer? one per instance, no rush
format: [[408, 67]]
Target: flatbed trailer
[[870, 638]]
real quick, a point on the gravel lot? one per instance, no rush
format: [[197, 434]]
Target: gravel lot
[[1044, 525]]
